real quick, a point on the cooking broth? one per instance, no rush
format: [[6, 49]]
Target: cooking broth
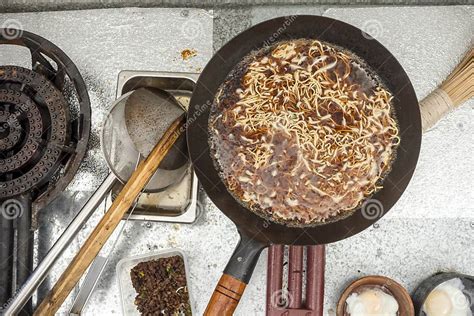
[[302, 132]]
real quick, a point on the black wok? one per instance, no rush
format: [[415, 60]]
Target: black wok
[[256, 232]]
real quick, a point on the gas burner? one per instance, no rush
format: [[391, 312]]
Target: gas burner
[[54, 87], [35, 128], [44, 130]]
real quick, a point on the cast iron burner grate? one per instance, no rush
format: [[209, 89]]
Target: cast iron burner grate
[[44, 131], [34, 130]]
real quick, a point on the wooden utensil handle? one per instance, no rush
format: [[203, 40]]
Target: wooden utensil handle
[[434, 107], [226, 296], [456, 89], [109, 222]]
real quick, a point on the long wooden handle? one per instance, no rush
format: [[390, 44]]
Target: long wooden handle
[[226, 296], [109, 222], [457, 88]]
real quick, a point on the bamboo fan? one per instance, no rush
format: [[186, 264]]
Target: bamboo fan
[[455, 90]]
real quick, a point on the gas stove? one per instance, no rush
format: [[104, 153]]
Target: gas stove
[[44, 131], [45, 121]]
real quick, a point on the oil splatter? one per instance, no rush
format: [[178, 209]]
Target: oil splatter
[[188, 53]]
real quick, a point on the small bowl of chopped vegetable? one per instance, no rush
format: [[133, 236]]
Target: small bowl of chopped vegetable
[[155, 284]]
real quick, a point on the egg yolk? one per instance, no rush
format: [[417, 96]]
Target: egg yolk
[[372, 301], [438, 304]]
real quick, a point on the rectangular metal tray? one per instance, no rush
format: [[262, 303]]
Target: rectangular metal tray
[[163, 206]]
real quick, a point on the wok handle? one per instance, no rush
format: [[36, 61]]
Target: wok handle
[[226, 296], [236, 276], [454, 91]]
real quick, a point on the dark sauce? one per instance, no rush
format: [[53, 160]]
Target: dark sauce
[[226, 144]]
